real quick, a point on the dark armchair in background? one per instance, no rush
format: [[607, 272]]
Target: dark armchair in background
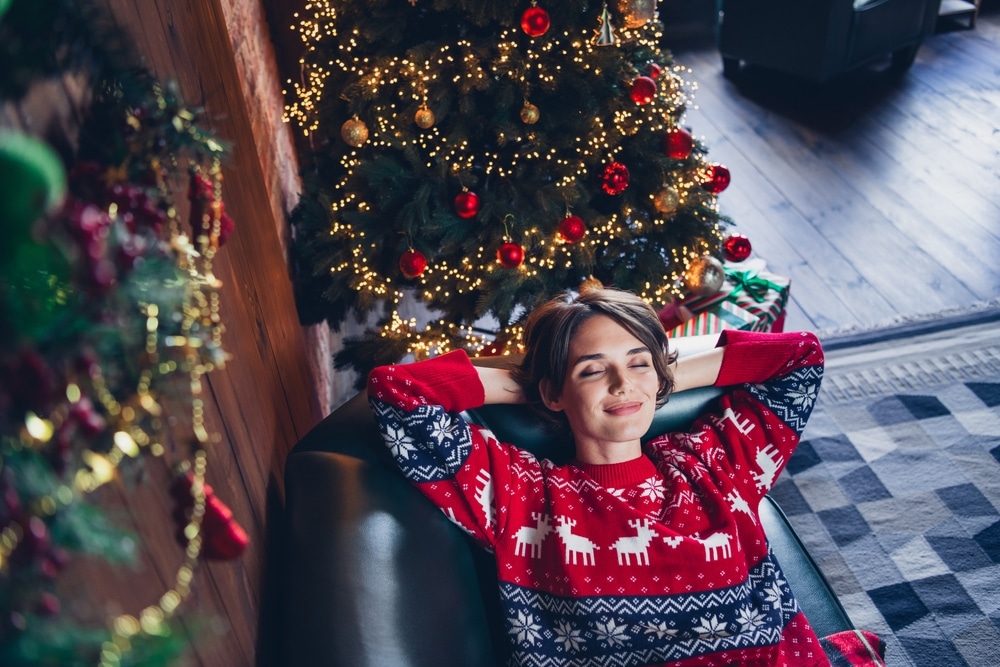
[[372, 574], [820, 39]]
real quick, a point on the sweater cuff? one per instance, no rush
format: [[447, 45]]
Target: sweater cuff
[[454, 380], [752, 356]]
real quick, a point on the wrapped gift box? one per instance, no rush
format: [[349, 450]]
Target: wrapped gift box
[[760, 292], [748, 286], [723, 315]]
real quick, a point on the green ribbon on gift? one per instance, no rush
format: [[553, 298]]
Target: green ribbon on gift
[[752, 284]]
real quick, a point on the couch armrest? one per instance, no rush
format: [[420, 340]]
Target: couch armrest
[[815, 597], [371, 569]]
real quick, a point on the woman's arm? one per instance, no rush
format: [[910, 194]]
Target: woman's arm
[[700, 369], [499, 386], [418, 410], [686, 346]]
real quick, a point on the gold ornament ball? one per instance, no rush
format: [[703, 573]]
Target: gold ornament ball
[[354, 132], [704, 276], [424, 118], [665, 201], [529, 114], [637, 13]]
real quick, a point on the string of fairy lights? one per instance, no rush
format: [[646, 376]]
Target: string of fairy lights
[[532, 65]]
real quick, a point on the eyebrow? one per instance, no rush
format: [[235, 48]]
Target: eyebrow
[[600, 355]]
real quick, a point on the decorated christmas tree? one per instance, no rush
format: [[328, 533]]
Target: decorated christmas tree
[[479, 156]]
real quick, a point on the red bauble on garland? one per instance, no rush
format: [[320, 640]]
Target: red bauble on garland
[[535, 21], [510, 255], [653, 70], [467, 204], [412, 263], [718, 179], [736, 248], [643, 90], [205, 211], [222, 537], [614, 178], [677, 143], [572, 228]]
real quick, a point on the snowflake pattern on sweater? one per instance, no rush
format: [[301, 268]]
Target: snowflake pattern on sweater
[[660, 560]]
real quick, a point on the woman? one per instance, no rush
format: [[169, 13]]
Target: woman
[[630, 554]]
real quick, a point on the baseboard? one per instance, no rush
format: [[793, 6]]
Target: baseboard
[[917, 325]]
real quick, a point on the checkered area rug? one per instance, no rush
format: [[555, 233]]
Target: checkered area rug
[[895, 489]]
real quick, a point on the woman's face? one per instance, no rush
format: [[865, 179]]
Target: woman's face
[[609, 392]]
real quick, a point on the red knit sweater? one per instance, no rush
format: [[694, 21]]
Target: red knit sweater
[[658, 560]]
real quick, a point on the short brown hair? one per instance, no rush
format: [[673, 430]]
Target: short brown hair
[[550, 329]]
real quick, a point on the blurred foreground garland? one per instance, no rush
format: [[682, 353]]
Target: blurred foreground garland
[[109, 322]]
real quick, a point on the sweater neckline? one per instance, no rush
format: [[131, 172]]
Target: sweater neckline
[[619, 475]]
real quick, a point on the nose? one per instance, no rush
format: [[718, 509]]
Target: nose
[[620, 384]]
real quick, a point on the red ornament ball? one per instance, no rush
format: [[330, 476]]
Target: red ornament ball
[[572, 228], [736, 247], [412, 263], [643, 90], [467, 204], [677, 143], [510, 255], [222, 537], [535, 21], [653, 70], [614, 178], [718, 179]]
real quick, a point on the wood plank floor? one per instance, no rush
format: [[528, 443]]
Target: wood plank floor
[[879, 197]]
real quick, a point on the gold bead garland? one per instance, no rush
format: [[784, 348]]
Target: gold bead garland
[[199, 310]]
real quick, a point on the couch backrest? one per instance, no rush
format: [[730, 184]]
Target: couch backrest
[[373, 568], [519, 424]]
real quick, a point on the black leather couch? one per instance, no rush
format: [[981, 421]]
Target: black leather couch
[[820, 39], [373, 574]]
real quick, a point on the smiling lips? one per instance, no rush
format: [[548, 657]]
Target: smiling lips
[[624, 409]]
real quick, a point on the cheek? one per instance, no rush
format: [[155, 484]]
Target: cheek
[[652, 383]]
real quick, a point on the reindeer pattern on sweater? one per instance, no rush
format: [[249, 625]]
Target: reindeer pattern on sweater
[[660, 560]]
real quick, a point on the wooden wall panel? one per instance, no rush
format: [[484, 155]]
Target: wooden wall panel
[[219, 53]]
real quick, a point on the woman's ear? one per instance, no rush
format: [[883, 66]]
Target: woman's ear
[[545, 391]]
